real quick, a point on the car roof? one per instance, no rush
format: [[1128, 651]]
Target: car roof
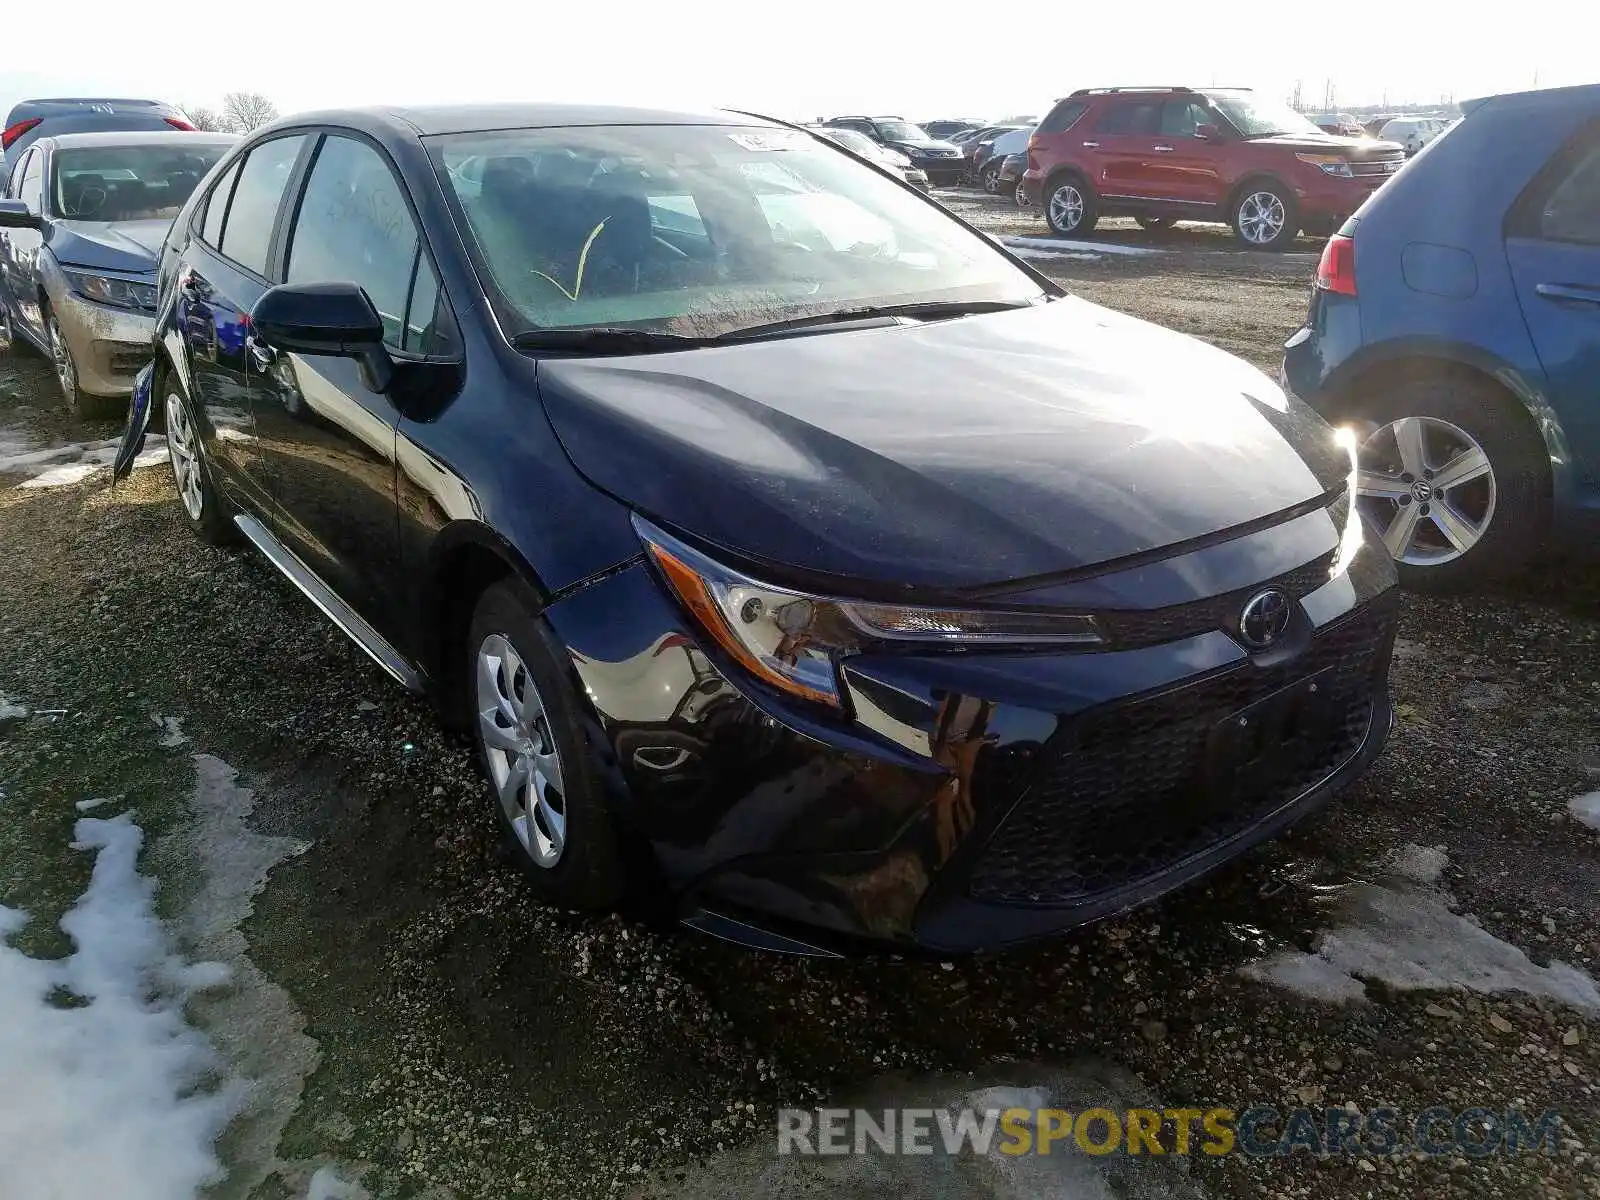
[[434, 120], [1578, 93], [55, 105], [148, 137]]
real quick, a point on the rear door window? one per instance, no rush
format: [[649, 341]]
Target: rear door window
[[1572, 211], [216, 208], [247, 232], [1130, 117]]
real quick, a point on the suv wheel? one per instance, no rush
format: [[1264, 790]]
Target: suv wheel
[[1453, 481], [547, 792], [1264, 217], [1069, 206], [991, 179]]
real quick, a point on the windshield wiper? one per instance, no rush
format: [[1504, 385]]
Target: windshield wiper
[[606, 339], [928, 310]]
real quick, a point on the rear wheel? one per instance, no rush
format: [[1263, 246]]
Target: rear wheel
[[1020, 195], [1069, 206], [1453, 480], [1264, 217], [991, 178], [548, 799], [207, 512]]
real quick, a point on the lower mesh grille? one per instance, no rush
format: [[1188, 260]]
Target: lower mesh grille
[[1136, 789]]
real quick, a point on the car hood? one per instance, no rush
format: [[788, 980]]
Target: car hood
[[109, 245], [1358, 148], [947, 454]]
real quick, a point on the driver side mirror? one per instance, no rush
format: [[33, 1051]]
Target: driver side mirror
[[1207, 132], [325, 318], [14, 214]]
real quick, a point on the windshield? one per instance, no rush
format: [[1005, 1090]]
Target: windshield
[[702, 230], [901, 131], [129, 183], [1255, 117]]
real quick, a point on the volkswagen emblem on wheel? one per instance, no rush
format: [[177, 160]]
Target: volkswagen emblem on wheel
[[1264, 619]]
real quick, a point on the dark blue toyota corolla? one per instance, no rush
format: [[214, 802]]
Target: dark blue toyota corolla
[[789, 549]]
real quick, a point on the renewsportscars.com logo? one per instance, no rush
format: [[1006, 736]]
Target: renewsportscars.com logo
[[1260, 1131]]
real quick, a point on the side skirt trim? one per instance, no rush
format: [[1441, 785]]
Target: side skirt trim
[[325, 598]]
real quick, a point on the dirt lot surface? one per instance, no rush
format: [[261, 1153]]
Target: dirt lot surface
[[418, 1026]]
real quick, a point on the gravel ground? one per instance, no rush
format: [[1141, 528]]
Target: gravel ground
[[470, 1043]]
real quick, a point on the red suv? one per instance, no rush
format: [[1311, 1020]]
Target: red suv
[[1224, 154]]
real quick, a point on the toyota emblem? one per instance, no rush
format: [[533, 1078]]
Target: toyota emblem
[[1264, 619]]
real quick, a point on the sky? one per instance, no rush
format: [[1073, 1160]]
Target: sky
[[798, 61]]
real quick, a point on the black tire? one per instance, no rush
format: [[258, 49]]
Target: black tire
[[1054, 217], [990, 178], [1518, 459], [1154, 223], [1019, 194], [1287, 232], [213, 522], [79, 402], [588, 873]]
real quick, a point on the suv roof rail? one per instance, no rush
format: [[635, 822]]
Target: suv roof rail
[[1108, 91]]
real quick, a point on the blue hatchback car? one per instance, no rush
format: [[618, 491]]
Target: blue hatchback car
[[1455, 324]]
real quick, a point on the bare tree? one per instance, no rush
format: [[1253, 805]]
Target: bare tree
[[207, 119], [244, 111]]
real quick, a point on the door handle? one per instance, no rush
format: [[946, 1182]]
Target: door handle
[[260, 353], [1163, 149], [1092, 145], [1567, 291]]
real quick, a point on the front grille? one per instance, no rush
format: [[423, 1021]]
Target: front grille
[[1377, 166], [1127, 628], [1131, 790]]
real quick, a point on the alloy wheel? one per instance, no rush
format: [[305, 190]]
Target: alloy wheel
[[1020, 195], [524, 764], [1066, 207], [66, 370], [183, 451], [1261, 218], [1427, 487]]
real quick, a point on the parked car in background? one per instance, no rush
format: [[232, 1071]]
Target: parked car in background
[[675, 524], [30, 119], [1010, 179], [873, 152], [939, 160], [1176, 153], [81, 224], [1412, 133], [978, 151], [1342, 124], [1372, 125], [946, 129], [991, 157], [1455, 324]]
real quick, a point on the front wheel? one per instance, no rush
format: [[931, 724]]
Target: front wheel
[[1264, 218], [1020, 195], [991, 179], [1069, 207], [547, 794], [79, 403], [1453, 480]]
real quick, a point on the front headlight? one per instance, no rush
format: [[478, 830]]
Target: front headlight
[[793, 641], [107, 289], [1328, 164]]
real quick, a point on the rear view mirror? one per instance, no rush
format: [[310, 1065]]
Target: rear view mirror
[[324, 318], [14, 214], [1207, 132]]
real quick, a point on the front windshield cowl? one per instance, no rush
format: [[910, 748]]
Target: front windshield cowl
[[700, 231]]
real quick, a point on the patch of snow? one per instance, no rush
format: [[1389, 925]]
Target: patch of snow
[[1082, 247], [10, 710], [76, 461], [172, 734], [96, 802], [1585, 809], [1401, 930], [327, 1184], [107, 1095]]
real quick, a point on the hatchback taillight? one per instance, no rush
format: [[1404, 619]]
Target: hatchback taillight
[[1336, 271], [179, 123], [16, 131]]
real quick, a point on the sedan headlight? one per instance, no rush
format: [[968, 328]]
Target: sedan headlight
[[107, 289], [1328, 164], [792, 641]]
